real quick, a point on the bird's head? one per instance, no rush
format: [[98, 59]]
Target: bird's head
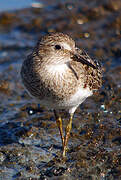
[[59, 48], [55, 48]]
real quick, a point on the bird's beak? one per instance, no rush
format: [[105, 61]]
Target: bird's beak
[[81, 56]]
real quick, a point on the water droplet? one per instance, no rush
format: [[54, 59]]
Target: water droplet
[[69, 6], [86, 35], [80, 21], [37, 5], [102, 106]]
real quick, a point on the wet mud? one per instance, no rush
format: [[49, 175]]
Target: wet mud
[[30, 145]]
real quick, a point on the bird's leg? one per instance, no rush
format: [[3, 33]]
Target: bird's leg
[[67, 134], [59, 124]]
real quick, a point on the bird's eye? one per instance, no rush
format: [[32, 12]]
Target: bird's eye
[[57, 47]]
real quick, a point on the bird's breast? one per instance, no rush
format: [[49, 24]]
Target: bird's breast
[[58, 81], [57, 70]]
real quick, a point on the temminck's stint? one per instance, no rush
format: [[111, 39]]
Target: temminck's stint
[[60, 76]]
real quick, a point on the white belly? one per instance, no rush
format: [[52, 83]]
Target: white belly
[[78, 98]]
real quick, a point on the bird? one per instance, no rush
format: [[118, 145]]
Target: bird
[[60, 76]]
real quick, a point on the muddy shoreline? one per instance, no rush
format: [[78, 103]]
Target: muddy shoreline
[[30, 144]]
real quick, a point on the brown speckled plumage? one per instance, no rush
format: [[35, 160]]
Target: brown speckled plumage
[[60, 75], [43, 85]]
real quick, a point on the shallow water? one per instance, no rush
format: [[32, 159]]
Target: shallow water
[[30, 145], [9, 5]]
